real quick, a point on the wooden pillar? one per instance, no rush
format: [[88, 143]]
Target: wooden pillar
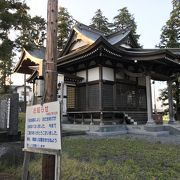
[[100, 88], [101, 118], [170, 101], [25, 93], [92, 123], [101, 93], [74, 118], [87, 107], [48, 162], [82, 119], [149, 100], [114, 91]]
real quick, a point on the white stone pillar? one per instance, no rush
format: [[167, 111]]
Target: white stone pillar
[[170, 101], [149, 100]]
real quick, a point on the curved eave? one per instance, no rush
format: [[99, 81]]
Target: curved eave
[[162, 57], [144, 52], [96, 47], [18, 65], [80, 53], [32, 77], [25, 61]]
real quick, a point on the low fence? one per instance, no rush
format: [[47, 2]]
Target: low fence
[[9, 106]]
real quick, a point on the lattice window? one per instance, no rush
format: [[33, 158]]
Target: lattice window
[[142, 98], [70, 97]]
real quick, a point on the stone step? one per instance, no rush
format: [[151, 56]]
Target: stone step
[[140, 118]]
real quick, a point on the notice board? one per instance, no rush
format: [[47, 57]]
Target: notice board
[[42, 128]]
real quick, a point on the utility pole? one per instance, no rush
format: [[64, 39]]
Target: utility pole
[[25, 93], [48, 162]]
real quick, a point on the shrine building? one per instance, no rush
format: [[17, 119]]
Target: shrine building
[[107, 78]]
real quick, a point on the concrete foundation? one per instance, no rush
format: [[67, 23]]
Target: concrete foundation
[[113, 130]]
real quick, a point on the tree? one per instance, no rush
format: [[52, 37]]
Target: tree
[[32, 32], [170, 38], [11, 13], [65, 23], [17, 29], [124, 20], [100, 22], [6, 54]]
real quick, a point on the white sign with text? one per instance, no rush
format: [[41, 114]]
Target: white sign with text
[[42, 129]]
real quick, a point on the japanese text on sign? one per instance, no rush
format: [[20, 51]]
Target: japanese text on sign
[[43, 126]]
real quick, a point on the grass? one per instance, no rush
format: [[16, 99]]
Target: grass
[[120, 158], [123, 159], [15, 171], [21, 125]]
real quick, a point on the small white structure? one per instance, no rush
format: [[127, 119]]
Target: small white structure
[[20, 91]]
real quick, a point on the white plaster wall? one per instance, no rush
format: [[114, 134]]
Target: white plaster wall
[[20, 91], [93, 74], [64, 106], [64, 98], [82, 74], [65, 89], [108, 74], [60, 78]]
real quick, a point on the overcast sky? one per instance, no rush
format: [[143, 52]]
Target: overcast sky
[[150, 15]]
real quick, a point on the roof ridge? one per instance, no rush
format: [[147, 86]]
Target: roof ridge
[[122, 31], [89, 28]]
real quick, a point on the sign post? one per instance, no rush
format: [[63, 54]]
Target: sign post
[[43, 134], [50, 90]]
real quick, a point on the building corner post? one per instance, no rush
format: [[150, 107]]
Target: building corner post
[[150, 120], [170, 102]]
